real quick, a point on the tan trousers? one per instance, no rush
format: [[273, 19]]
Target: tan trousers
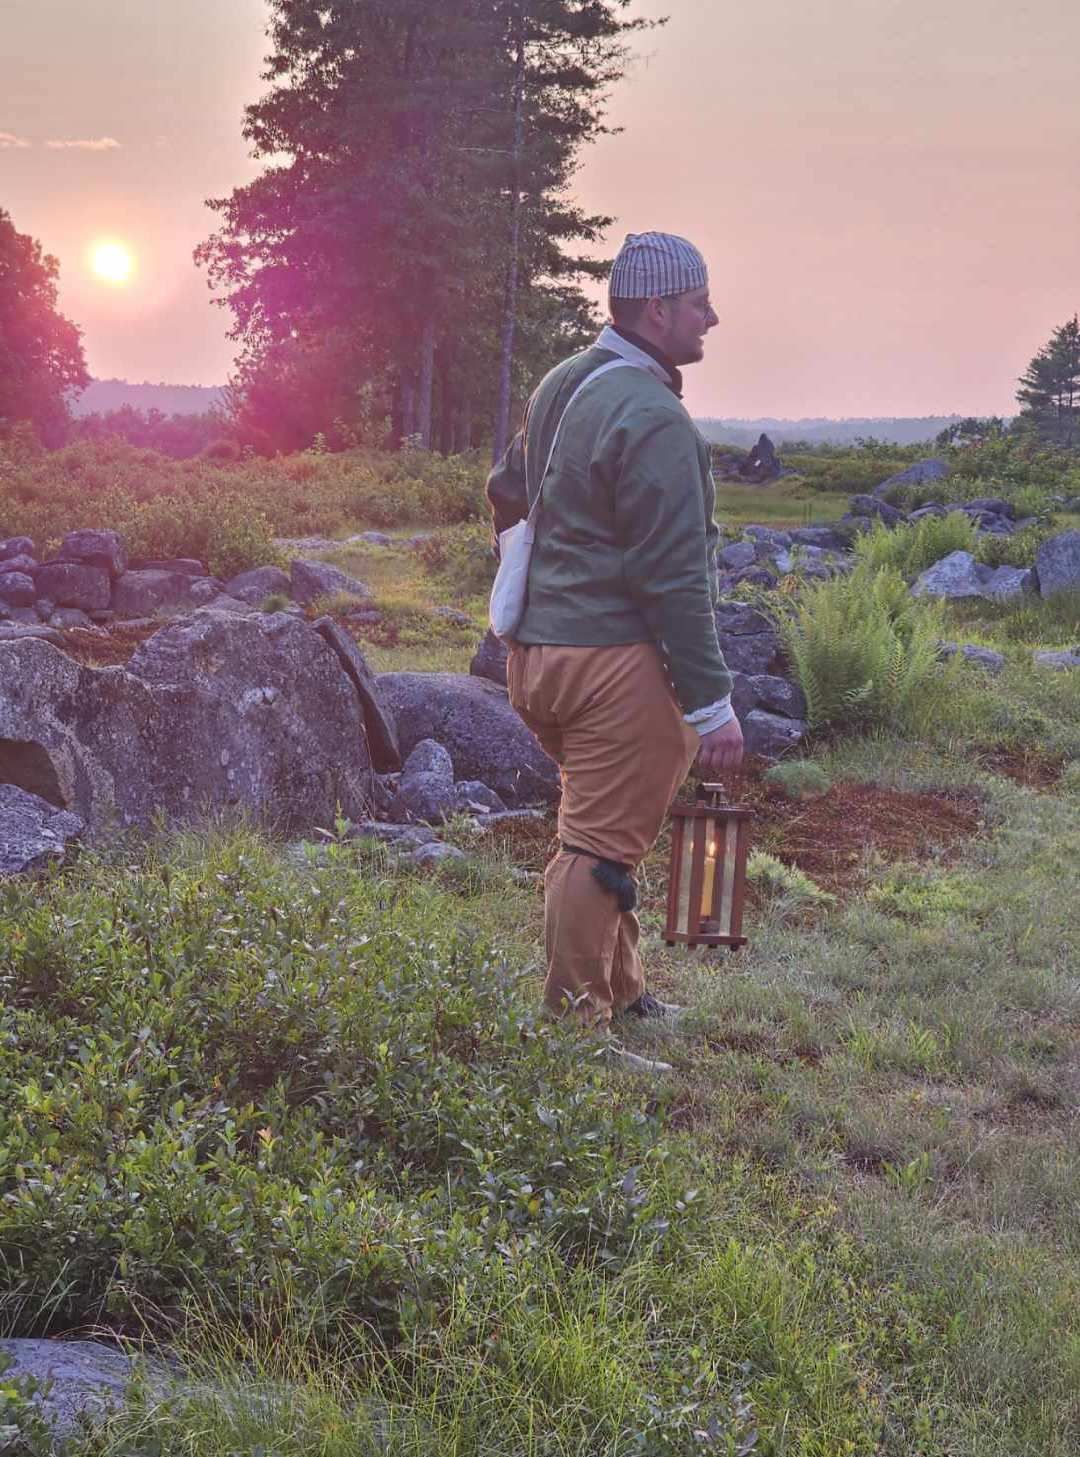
[[608, 716]]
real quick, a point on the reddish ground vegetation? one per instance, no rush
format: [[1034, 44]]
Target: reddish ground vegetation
[[112, 648], [831, 837], [1030, 767]]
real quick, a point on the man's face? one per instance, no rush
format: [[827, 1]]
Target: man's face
[[682, 322]]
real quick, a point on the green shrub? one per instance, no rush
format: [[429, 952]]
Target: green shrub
[[1017, 550], [1038, 621], [1070, 779], [909, 550], [790, 888], [461, 559], [799, 778], [307, 1087], [865, 652]]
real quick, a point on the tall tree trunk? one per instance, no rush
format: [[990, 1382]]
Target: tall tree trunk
[[465, 427], [426, 384], [408, 407], [447, 402], [502, 410]]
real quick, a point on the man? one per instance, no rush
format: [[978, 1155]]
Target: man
[[615, 665]]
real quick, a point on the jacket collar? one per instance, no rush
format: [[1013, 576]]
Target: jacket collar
[[640, 352]]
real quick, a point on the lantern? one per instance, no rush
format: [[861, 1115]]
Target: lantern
[[707, 876]]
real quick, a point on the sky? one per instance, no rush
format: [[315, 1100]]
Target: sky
[[887, 191]]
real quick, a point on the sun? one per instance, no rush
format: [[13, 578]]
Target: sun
[[113, 262]]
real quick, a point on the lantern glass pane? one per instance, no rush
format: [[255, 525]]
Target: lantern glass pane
[[682, 918], [731, 833]]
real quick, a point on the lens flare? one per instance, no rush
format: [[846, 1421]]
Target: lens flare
[[112, 261]]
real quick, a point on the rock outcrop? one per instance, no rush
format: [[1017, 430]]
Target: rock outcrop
[[215, 711], [472, 718], [1057, 564]]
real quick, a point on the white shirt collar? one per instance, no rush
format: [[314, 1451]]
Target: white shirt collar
[[608, 339]]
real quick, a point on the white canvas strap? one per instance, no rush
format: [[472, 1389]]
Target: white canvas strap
[[603, 369]]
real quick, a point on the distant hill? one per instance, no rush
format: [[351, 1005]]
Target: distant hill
[[102, 395], [897, 431]]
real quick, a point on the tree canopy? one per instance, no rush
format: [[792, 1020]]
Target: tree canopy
[[41, 354], [410, 239], [1050, 388]]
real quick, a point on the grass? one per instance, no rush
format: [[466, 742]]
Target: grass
[[788, 502], [864, 1164], [295, 1121]]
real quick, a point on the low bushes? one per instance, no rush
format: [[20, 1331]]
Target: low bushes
[[227, 512], [225, 1079]]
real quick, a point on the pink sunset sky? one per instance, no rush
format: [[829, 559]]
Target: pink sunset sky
[[888, 191]]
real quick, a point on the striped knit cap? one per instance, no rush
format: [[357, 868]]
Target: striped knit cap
[[656, 265]]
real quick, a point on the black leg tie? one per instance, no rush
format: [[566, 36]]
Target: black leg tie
[[613, 875]]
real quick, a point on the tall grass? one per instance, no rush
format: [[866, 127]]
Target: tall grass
[[909, 550]]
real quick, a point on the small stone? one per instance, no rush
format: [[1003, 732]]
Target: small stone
[[138, 594], [992, 506], [875, 507], [437, 853], [489, 660], [187, 565], [21, 563], [16, 546], [955, 576], [452, 614], [257, 584], [311, 580], [473, 797], [1066, 658], [104, 549], [73, 584], [1057, 564], [931, 469], [1005, 583], [975, 654], [15, 630], [16, 589], [768, 735], [406, 835], [66, 618], [429, 757], [32, 831], [739, 554]]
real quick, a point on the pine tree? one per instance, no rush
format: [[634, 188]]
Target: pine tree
[[41, 354], [1050, 388], [412, 218]]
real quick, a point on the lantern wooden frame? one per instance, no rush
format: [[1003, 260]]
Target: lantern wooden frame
[[709, 843]]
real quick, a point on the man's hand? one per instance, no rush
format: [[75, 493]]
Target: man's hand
[[721, 751]]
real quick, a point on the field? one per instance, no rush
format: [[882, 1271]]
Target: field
[[292, 1117]]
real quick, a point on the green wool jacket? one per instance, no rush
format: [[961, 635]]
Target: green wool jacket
[[625, 546]]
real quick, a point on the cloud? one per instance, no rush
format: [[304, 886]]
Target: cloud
[[10, 142], [84, 144]]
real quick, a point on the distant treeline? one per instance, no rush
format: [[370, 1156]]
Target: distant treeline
[[103, 395], [820, 431]]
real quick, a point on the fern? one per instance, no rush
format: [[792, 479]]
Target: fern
[[909, 550], [866, 653]]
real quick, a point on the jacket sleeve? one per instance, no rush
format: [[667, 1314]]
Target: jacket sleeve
[[661, 527], [506, 489]]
